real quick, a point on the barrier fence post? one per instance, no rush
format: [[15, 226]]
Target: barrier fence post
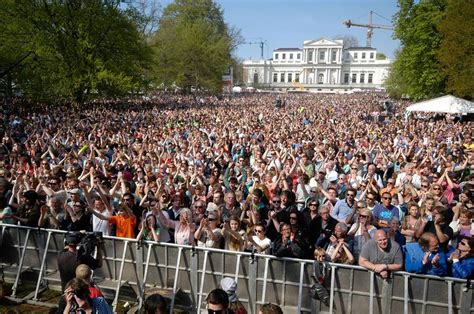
[[119, 282], [371, 292], [253, 263], [139, 247], [405, 293], [20, 264], [333, 286], [300, 287], [203, 277], [265, 275], [43, 261], [194, 276], [387, 290], [450, 297], [176, 275], [145, 275]]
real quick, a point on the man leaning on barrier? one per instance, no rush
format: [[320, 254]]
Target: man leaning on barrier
[[381, 255]]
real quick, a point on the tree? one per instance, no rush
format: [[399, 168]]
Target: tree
[[81, 49], [416, 69], [380, 56], [193, 45], [456, 53]]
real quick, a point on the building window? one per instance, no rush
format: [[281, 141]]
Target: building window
[[370, 78], [298, 56], [297, 77], [371, 55], [283, 56], [322, 55], [320, 78], [362, 78], [291, 56], [346, 78], [355, 55], [354, 78], [275, 77], [363, 55], [310, 55], [282, 78], [290, 77], [334, 56], [276, 56]]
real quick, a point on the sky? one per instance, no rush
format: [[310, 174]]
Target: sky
[[288, 23]]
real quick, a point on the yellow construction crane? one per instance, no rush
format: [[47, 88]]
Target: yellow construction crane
[[370, 27]]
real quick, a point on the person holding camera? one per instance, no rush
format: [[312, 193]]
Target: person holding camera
[[78, 299], [208, 234], [69, 259], [150, 230]]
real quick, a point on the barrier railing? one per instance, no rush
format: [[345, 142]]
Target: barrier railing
[[260, 278]]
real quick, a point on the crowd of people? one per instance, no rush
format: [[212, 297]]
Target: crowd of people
[[326, 177]]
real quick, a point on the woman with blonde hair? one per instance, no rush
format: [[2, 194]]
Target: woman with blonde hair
[[183, 229], [362, 231]]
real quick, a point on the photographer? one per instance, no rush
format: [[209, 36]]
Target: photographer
[[69, 259], [78, 299]]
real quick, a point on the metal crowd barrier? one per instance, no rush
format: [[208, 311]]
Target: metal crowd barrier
[[130, 264]]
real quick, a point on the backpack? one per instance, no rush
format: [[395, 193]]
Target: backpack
[[318, 291]]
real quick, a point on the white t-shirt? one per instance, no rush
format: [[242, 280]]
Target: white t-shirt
[[264, 244], [99, 225]]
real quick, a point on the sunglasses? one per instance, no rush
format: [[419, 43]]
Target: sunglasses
[[370, 199], [351, 195], [463, 243], [363, 216], [258, 231], [387, 198], [313, 204], [424, 186], [276, 202], [390, 182], [436, 188], [293, 218], [211, 219]]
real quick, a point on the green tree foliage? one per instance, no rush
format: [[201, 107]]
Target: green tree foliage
[[416, 70], [193, 45], [456, 53], [77, 49]]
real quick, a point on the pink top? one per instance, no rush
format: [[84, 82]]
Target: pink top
[[183, 234]]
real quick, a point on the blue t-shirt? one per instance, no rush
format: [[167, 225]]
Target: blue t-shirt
[[382, 213]]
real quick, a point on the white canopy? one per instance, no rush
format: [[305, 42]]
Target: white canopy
[[446, 104]]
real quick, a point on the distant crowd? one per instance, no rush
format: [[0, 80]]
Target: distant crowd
[[327, 177]]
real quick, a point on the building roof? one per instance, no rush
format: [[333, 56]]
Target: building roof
[[286, 49], [360, 48]]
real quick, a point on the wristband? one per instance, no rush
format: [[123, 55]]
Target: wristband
[[455, 260]]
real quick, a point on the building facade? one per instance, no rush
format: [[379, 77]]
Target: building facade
[[322, 65]]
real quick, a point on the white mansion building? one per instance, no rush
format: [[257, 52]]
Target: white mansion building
[[322, 65]]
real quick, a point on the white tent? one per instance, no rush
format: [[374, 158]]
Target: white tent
[[236, 89], [445, 104]]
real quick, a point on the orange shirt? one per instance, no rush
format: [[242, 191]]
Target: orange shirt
[[124, 225], [386, 190]]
